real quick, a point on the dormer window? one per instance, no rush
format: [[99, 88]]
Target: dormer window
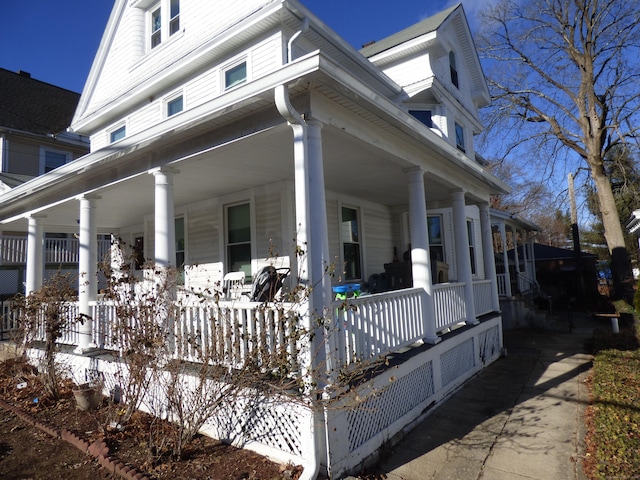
[[453, 69], [235, 75], [161, 26]]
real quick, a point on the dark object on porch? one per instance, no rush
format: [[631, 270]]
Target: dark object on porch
[[378, 283], [267, 283], [398, 275]]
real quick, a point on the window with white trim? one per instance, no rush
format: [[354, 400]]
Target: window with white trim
[[436, 237], [52, 159], [453, 69], [180, 248], [162, 26], [472, 249], [351, 242], [175, 105], [459, 130], [238, 238], [117, 134], [235, 75], [423, 116]]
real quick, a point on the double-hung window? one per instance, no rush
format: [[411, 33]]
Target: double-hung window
[[460, 137], [238, 238], [453, 69], [161, 25], [423, 116], [472, 248], [436, 242], [351, 243]]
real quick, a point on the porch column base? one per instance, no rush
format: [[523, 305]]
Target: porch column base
[[432, 340], [472, 323]]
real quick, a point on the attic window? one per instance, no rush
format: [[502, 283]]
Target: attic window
[[161, 27], [453, 69], [175, 105]]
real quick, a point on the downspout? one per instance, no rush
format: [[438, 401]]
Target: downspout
[[311, 466]]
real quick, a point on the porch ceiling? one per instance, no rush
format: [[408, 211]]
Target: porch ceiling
[[352, 167]]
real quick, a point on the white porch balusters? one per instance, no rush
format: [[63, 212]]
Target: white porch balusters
[[164, 218], [420, 261], [87, 271], [505, 259], [463, 259], [488, 254], [35, 255]]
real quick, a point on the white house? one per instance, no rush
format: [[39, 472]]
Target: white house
[[226, 136]]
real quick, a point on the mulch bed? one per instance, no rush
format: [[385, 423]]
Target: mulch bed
[[125, 453]]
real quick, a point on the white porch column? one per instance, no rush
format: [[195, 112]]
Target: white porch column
[[532, 257], [88, 270], [463, 260], [420, 261], [164, 219], [35, 265], [488, 253], [505, 259]]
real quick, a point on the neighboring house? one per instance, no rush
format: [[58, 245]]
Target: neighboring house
[[34, 117], [226, 136]]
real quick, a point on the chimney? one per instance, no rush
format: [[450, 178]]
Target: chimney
[[22, 73]]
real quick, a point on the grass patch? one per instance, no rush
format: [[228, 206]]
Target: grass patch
[[613, 440]]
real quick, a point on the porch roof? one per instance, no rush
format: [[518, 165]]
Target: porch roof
[[239, 141]]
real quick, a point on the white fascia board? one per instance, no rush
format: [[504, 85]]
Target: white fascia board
[[399, 50], [513, 219]]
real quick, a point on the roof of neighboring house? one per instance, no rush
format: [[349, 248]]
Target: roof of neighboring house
[[421, 28], [33, 106], [12, 179]]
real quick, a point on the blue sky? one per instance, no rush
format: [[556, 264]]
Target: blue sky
[[57, 45]]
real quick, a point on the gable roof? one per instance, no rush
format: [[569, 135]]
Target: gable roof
[[33, 106], [427, 25]]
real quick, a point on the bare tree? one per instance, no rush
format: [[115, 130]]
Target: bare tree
[[564, 78]]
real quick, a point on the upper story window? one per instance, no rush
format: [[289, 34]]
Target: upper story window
[[423, 116], [52, 159], [175, 105], [161, 25], [235, 75], [460, 138], [453, 69], [351, 243], [117, 134]]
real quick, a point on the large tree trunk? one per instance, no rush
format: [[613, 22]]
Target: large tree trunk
[[620, 261]]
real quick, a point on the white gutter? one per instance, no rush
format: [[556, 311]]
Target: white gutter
[[311, 466]]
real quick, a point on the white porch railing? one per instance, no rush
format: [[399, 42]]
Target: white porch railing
[[365, 328], [483, 302], [13, 250], [449, 305], [375, 325]]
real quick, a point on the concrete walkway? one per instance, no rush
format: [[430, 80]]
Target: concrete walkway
[[521, 418]]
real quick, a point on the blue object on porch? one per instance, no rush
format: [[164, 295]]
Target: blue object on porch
[[347, 290]]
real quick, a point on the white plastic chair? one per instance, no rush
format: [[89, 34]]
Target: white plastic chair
[[233, 284]]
